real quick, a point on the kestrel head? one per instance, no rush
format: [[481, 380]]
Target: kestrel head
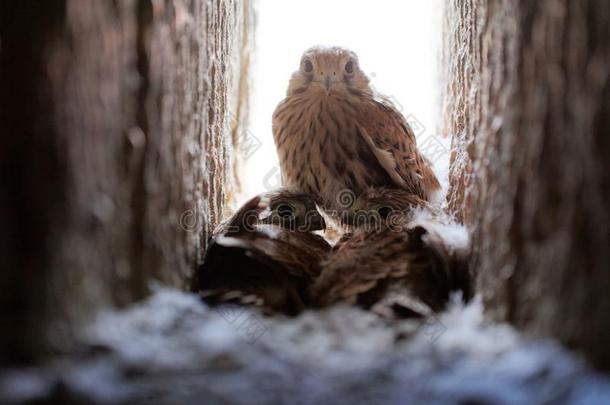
[[328, 70], [383, 205], [291, 210]]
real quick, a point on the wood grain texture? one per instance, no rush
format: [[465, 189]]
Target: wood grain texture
[[527, 103], [118, 153]]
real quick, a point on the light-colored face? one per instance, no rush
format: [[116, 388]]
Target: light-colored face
[[329, 70]]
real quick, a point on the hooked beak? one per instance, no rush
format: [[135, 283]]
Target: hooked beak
[[327, 85]]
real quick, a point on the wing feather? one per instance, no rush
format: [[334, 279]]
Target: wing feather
[[392, 142]]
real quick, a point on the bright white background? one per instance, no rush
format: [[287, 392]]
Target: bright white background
[[397, 42]]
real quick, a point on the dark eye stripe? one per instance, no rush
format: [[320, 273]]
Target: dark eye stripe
[[384, 211], [285, 211]]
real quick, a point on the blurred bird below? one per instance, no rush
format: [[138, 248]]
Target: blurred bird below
[[398, 263], [266, 255]]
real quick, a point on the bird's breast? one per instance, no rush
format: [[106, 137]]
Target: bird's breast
[[320, 149]]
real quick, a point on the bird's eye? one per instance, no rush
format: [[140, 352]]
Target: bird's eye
[[349, 67], [384, 212], [285, 211], [307, 66]]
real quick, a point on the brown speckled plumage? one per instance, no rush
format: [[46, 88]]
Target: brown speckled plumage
[[262, 256], [333, 133], [393, 272]]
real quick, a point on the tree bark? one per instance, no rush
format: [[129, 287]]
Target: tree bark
[[117, 151], [527, 103]]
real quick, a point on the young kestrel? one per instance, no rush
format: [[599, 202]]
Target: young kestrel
[[388, 206], [393, 272], [287, 209], [266, 254], [334, 133]]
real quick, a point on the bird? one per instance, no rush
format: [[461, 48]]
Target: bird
[[402, 267], [388, 206], [336, 136], [266, 255], [282, 207]]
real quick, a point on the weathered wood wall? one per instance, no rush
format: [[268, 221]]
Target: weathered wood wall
[[117, 153], [527, 103]]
